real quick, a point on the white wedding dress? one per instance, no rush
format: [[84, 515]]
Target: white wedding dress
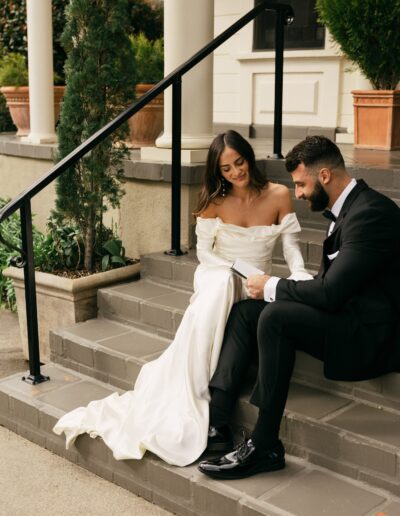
[[167, 412]]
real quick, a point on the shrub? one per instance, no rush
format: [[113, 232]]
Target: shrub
[[149, 58], [100, 77], [13, 70], [367, 32]]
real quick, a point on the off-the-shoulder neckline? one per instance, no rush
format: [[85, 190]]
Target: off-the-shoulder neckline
[[247, 227]]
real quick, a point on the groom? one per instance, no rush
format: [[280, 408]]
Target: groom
[[347, 316]]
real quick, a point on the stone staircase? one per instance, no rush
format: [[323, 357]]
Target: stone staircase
[[342, 439]]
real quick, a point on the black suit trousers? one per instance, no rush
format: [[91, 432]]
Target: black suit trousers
[[271, 333]]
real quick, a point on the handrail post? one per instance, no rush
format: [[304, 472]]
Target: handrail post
[[176, 168], [35, 375], [279, 43]]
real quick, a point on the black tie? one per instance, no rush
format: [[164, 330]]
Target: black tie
[[329, 215]]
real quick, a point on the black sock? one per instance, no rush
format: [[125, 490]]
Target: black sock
[[263, 436], [221, 406]]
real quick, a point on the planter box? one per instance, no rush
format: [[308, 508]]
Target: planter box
[[62, 302], [377, 119]]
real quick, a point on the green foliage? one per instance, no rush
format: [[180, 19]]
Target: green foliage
[[367, 32], [146, 18], [13, 70], [13, 32], [6, 123], [114, 254], [100, 78], [149, 57], [11, 231]]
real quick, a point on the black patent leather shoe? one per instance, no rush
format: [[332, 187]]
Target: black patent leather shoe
[[219, 439], [244, 461]]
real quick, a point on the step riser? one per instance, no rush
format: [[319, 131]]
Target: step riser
[[121, 371], [309, 439], [153, 267], [135, 312]]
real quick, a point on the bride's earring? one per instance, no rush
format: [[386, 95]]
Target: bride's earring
[[223, 187]]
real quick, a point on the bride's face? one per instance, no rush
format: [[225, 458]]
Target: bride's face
[[234, 168]]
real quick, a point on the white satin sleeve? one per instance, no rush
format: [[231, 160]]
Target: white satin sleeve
[[205, 231], [293, 257], [290, 236]]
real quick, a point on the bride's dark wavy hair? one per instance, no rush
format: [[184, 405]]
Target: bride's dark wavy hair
[[212, 181]]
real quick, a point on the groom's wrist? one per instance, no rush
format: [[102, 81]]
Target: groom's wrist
[[270, 289]]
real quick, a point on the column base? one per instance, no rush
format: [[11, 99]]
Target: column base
[[38, 138], [188, 142], [188, 156]]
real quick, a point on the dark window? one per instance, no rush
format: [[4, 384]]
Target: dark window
[[304, 32]]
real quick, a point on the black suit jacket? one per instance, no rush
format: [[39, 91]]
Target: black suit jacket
[[358, 285]]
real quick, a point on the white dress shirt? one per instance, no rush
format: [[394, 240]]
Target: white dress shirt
[[271, 284]]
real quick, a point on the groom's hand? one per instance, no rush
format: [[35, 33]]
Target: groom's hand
[[255, 285]]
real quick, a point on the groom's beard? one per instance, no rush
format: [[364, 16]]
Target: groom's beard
[[318, 198]]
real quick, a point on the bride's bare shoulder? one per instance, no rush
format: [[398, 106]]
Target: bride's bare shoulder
[[211, 212], [275, 191]]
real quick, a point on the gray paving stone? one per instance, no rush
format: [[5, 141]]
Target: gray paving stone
[[317, 493], [97, 329], [156, 266], [78, 351], [312, 402], [110, 363], [215, 499], [393, 509], [58, 378], [372, 456], [136, 343], [158, 317], [142, 289], [76, 395], [370, 422], [118, 306], [177, 300]]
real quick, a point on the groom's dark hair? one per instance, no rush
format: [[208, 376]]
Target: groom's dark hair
[[314, 152]]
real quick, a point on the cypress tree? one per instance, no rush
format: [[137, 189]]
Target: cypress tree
[[100, 83]]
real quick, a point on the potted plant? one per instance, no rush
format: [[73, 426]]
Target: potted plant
[[146, 125], [14, 87], [100, 78], [368, 34]]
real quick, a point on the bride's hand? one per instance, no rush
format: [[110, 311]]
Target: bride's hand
[[255, 285]]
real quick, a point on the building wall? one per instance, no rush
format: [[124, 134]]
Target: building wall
[[317, 83]]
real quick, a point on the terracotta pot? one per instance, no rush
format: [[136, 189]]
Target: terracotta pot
[[377, 119], [146, 126], [17, 98]]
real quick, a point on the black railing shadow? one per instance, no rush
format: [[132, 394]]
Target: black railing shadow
[[284, 16]]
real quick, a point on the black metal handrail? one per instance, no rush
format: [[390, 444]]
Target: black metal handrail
[[284, 15]]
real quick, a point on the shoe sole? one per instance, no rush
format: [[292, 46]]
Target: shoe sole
[[260, 469], [220, 447]]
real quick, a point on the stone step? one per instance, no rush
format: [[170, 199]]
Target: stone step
[[383, 178], [301, 489], [346, 428], [178, 271]]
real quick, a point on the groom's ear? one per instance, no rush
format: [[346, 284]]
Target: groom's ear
[[325, 175]]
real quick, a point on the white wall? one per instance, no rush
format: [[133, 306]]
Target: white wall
[[317, 83]]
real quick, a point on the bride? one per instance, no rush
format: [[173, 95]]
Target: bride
[[240, 215]]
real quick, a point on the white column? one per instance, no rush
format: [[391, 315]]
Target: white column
[[188, 26], [40, 57]]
